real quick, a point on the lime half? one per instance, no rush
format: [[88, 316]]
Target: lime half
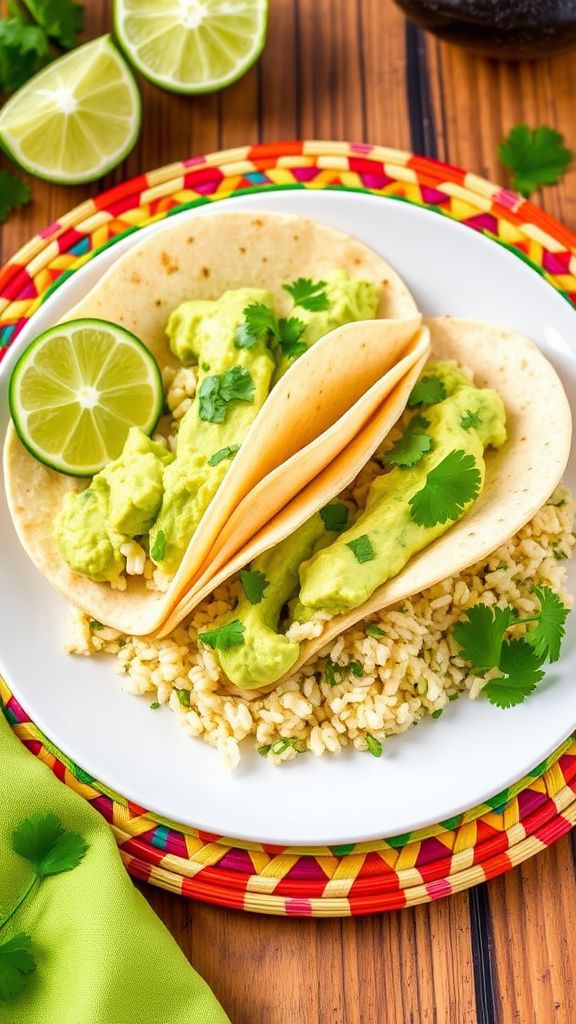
[[191, 46], [77, 118], [77, 390]]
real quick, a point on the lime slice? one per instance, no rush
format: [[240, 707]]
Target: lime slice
[[191, 46], [77, 390], [77, 118]]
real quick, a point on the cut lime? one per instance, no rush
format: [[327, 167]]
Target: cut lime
[[77, 390], [191, 46], [76, 119]]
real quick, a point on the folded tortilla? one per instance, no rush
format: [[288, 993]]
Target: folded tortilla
[[313, 412]]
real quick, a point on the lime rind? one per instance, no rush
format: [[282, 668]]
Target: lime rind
[[152, 381], [36, 119], [201, 86]]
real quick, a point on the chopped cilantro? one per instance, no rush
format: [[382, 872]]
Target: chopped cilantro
[[330, 673], [216, 393], [411, 447], [335, 516], [94, 624], [224, 637], [449, 487], [156, 704], [427, 391], [534, 156], [309, 294], [470, 419], [361, 548], [559, 555], [159, 547], [278, 747], [453, 696], [183, 697], [374, 745], [371, 629], [223, 453], [356, 669], [437, 714], [253, 584]]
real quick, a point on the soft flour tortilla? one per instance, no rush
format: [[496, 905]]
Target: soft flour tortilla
[[520, 476], [311, 414], [225, 559]]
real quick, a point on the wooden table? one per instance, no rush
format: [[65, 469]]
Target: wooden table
[[501, 953]]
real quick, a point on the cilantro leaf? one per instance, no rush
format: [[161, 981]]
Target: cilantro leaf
[[427, 391], [374, 745], [216, 392], [183, 697], [16, 961], [308, 294], [155, 705], [223, 453], [61, 19], [470, 419], [535, 157], [24, 50], [253, 584], [521, 667], [334, 516], [482, 635], [371, 629], [361, 548], [13, 191], [259, 320], [410, 448], [290, 331], [330, 673], [50, 848], [356, 669], [449, 487], [224, 637], [547, 637], [159, 547]]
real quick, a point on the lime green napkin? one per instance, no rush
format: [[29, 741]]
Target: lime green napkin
[[102, 955]]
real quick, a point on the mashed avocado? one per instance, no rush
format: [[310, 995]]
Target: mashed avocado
[[121, 502], [147, 493], [343, 574]]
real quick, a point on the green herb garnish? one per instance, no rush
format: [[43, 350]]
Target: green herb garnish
[[159, 547], [482, 639], [534, 156], [356, 669], [155, 704], [224, 637], [51, 849], [449, 487], [13, 192], [437, 714], [411, 447], [36, 32], [223, 453], [216, 393], [427, 391], [374, 745], [361, 548], [253, 584], [183, 697], [309, 294], [94, 624], [470, 419], [330, 673], [371, 629], [335, 517]]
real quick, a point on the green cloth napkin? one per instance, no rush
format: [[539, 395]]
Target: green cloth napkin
[[103, 957]]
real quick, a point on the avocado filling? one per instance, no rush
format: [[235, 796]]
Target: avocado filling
[[239, 349], [437, 471]]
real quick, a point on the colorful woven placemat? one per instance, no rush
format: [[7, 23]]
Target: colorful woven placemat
[[332, 881]]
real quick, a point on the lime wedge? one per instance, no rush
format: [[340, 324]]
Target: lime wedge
[[77, 390], [77, 118], [191, 46]]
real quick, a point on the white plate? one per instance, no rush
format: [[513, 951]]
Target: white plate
[[429, 774]]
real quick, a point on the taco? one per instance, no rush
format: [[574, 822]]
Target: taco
[[484, 440], [270, 376]]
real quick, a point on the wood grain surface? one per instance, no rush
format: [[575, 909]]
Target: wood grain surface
[[502, 953]]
